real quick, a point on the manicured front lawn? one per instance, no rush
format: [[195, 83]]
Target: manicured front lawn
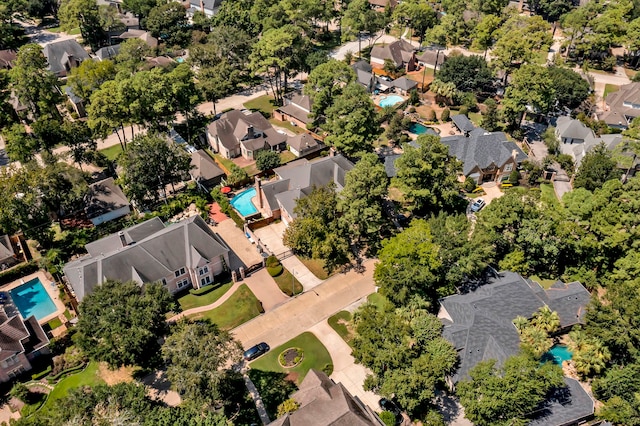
[[242, 306], [338, 323], [192, 301], [265, 104], [87, 377], [315, 356], [610, 88], [285, 281], [379, 301], [548, 194], [112, 152], [316, 266]]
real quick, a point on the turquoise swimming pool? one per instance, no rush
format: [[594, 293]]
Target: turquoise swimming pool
[[557, 354], [421, 129], [390, 101], [31, 298], [242, 202]]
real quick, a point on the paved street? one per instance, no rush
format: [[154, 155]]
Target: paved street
[[307, 309]]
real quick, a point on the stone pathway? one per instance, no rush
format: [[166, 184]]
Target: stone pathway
[[255, 395]]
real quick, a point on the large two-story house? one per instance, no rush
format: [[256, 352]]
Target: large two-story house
[[485, 156], [21, 340], [64, 55], [622, 106], [576, 139], [237, 134], [400, 52], [180, 255]]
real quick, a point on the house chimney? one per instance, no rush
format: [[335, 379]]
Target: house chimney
[[123, 241], [332, 152], [250, 133], [202, 6], [514, 154], [259, 191]]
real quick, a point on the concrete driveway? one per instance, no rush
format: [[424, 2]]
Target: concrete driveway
[[345, 369], [271, 237], [244, 252]]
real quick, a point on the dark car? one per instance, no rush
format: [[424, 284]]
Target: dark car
[[388, 405], [255, 351]]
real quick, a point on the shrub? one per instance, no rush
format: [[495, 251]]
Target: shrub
[[267, 160], [20, 391], [431, 115], [40, 375], [514, 177], [272, 261], [414, 98], [445, 114], [259, 306], [202, 291], [18, 272], [388, 418], [328, 369], [274, 271], [463, 110], [469, 185], [288, 406]]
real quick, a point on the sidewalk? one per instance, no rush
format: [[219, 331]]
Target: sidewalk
[[297, 315]]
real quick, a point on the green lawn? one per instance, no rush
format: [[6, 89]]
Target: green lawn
[[544, 283], [224, 161], [287, 125], [67, 314], [252, 169], [74, 31], [54, 323], [610, 88], [316, 266], [265, 104], [87, 377], [315, 356], [548, 195], [337, 322], [238, 309], [379, 300], [285, 281], [287, 156], [273, 388], [112, 152], [192, 301]]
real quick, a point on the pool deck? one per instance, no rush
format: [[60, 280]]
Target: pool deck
[[48, 284]]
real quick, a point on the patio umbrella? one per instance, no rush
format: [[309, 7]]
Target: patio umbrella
[[225, 189]]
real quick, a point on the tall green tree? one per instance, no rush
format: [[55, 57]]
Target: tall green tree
[[107, 111], [505, 395], [351, 121], [20, 145], [467, 73], [417, 15], [570, 88], [87, 15], [149, 164], [168, 22], [89, 76], [426, 175], [326, 82], [32, 83], [597, 167], [360, 201], [531, 85], [198, 355], [360, 18], [120, 323], [490, 121]]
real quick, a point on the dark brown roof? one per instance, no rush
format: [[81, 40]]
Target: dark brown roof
[[204, 166], [304, 142], [235, 128], [6, 58], [12, 332], [399, 51], [298, 107]]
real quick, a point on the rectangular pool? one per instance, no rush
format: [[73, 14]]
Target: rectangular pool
[[31, 298]]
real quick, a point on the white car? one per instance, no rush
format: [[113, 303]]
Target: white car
[[477, 205]]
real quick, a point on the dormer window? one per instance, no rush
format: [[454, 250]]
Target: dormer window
[[180, 272]]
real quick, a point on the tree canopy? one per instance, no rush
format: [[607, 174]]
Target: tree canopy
[[120, 323], [326, 82], [597, 167], [467, 73]]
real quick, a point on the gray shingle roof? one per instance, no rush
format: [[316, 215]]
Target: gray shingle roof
[[619, 104], [404, 83], [399, 51], [58, 54], [304, 143], [104, 196], [463, 123], [481, 322], [565, 406], [6, 249], [150, 258], [482, 149], [108, 52], [233, 129], [204, 166], [570, 128], [362, 65]]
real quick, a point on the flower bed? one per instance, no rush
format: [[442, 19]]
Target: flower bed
[[291, 357]]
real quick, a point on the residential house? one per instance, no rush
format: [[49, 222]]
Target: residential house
[[431, 59], [485, 156], [8, 256], [21, 341], [244, 134], [157, 61], [142, 35], [179, 255], [108, 52], [480, 326], [205, 172], [304, 144], [462, 123], [7, 57], [296, 180], [381, 5], [296, 110], [622, 106], [76, 102], [64, 55], [322, 402], [105, 201], [404, 85], [400, 52], [576, 138], [208, 7], [364, 75]]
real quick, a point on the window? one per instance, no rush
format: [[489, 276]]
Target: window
[[182, 283], [205, 281], [508, 167], [9, 361], [164, 282], [180, 272], [204, 270]]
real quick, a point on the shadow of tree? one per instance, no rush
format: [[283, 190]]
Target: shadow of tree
[[274, 389]]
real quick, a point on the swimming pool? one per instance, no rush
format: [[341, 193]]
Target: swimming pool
[[421, 129], [242, 202], [31, 298], [390, 101], [557, 354]]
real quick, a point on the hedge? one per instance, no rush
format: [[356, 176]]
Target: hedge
[[18, 272], [274, 271], [54, 379], [41, 374], [203, 290]]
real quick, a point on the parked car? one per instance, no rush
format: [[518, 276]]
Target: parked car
[[255, 351], [388, 405], [477, 205]]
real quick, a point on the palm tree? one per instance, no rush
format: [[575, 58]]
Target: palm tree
[[546, 320], [520, 323], [577, 341], [589, 354], [447, 91], [536, 339]]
